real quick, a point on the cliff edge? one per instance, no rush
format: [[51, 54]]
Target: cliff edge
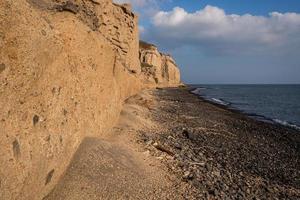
[[158, 67], [66, 68]]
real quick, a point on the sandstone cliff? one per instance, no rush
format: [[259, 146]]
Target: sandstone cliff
[[160, 68], [66, 68]]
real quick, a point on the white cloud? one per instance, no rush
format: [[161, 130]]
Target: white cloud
[[214, 30]]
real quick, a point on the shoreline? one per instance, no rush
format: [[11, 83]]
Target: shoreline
[[255, 116], [223, 153]]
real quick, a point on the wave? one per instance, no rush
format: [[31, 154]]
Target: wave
[[272, 121], [197, 91], [238, 107], [220, 101], [285, 123]]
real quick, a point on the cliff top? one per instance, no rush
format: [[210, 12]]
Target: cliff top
[[146, 45]]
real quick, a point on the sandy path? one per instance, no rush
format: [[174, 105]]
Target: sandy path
[[106, 170], [115, 167]]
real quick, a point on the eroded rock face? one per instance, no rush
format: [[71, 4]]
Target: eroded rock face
[[171, 73], [116, 23], [66, 67], [119, 26], [158, 67]]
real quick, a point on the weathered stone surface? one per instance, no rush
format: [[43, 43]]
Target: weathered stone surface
[[66, 69], [2, 67], [158, 67], [119, 26]]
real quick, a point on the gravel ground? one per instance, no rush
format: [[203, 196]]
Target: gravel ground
[[220, 153]]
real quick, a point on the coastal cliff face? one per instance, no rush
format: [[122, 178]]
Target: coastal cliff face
[[160, 68], [66, 68]]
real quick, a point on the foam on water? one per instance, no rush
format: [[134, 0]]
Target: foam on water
[[196, 91], [219, 101], [270, 103], [285, 123]]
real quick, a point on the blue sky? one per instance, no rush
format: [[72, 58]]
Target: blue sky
[[226, 41], [255, 7]]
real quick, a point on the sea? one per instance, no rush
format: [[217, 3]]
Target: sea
[[270, 103]]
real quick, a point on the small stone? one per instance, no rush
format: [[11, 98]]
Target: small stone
[[201, 164], [208, 167], [212, 192], [248, 191], [216, 173], [147, 153], [180, 164], [170, 137], [155, 144], [185, 133], [149, 142], [187, 175], [189, 135], [177, 146], [160, 157]]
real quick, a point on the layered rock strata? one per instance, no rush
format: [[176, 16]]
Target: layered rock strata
[[160, 68], [66, 68]]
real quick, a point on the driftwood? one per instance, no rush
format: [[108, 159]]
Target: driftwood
[[163, 149]]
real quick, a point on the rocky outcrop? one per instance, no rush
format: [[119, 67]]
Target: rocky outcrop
[[66, 68], [159, 68]]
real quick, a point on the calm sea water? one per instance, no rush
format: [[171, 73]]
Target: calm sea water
[[273, 103]]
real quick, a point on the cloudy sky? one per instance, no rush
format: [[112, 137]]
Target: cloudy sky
[[226, 41]]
